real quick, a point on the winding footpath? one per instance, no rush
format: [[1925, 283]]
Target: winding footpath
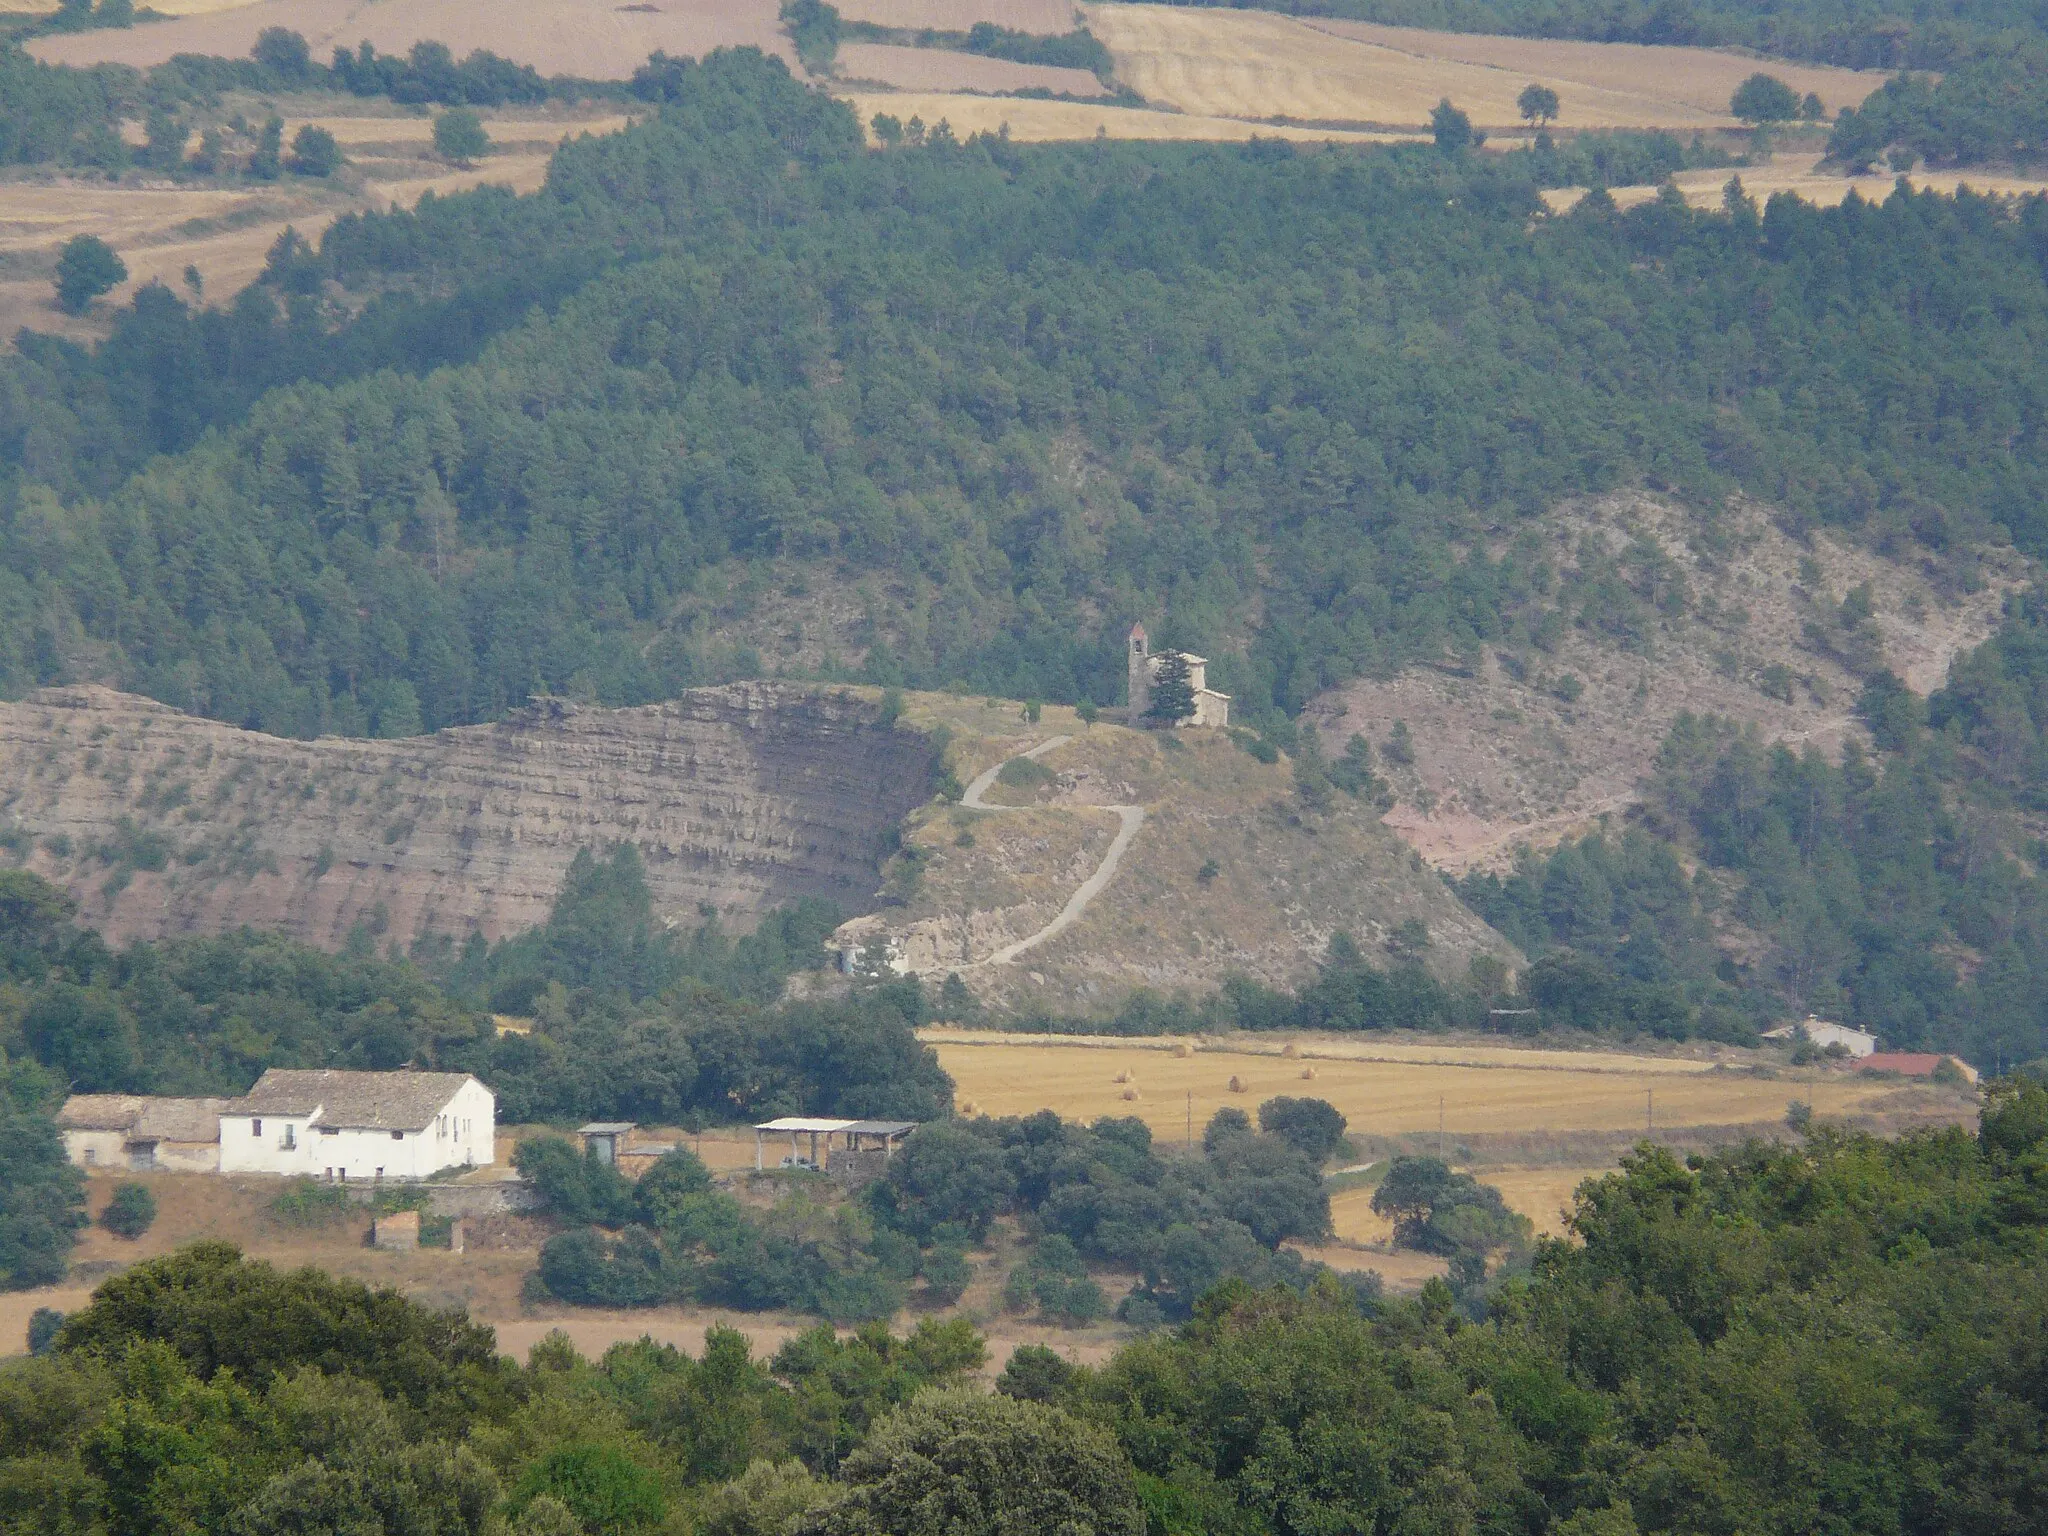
[[1132, 817]]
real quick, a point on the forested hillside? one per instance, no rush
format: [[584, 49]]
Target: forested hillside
[[1282, 407]]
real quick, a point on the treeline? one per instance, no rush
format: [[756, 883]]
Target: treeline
[[55, 113], [1992, 111], [631, 1023], [1839, 1336], [1313, 417]]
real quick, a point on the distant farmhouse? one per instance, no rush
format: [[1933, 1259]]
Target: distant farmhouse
[[340, 1126], [1211, 707], [1822, 1034]]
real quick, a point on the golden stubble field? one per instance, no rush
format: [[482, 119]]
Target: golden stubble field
[[1533, 1122], [1256, 64]]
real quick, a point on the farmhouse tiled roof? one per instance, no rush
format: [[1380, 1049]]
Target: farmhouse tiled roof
[[143, 1118], [360, 1101]]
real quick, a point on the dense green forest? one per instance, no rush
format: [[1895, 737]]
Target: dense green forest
[[1043, 390], [1844, 1335]]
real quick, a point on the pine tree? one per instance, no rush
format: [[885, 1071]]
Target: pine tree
[[1173, 693]]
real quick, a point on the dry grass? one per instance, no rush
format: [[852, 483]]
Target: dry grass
[[940, 69], [596, 39], [1041, 16], [1386, 1097], [1699, 77], [1255, 64], [1802, 176], [1032, 121]]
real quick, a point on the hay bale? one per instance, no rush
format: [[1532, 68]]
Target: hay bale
[[1290, 1050], [1130, 1095], [1236, 1083], [1183, 1049], [1123, 1077], [967, 1107], [1308, 1074]]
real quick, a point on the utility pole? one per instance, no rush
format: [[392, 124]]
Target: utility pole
[[1439, 1127], [1649, 1111], [1191, 1119]]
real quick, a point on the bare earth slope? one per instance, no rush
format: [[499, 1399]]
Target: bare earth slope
[[1501, 760], [1226, 872], [739, 797]]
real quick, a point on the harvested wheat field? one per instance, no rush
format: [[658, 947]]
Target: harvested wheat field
[[1256, 64], [1803, 176], [593, 39], [1033, 121], [1044, 17], [1403, 1098], [941, 69], [226, 232]]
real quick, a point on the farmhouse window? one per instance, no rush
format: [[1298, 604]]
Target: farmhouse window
[[291, 1137], [255, 1127], [398, 1135]]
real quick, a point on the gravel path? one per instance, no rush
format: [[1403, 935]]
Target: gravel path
[[1132, 817]]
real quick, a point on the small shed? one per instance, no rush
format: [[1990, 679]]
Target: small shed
[[607, 1138], [820, 1132]]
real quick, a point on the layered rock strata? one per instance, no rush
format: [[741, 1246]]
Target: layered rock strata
[[739, 798]]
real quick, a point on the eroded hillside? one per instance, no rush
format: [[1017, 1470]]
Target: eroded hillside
[[1228, 871], [1648, 611], [740, 798]]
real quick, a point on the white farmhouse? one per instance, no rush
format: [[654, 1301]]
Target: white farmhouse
[[358, 1125], [1821, 1033]]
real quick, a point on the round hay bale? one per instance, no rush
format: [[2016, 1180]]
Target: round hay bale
[[1130, 1094], [1123, 1077], [1183, 1049], [1290, 1050], [1236, 1083], [1308, 1074], [967, 1107]]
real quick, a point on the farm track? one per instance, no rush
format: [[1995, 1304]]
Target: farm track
[[1132, 817]]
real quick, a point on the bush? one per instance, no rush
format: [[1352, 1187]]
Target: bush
[[459, 136], [1764, 98], [314, 152], [947, 1274], [1035, 1373], [1313, 1127], [86, 268], [990, 1463], [43, 1324], [131, 1212], [309, 1203], [600, 1484], [577, 1187]]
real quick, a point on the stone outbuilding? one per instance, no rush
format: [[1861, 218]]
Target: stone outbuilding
[[137, 1133]]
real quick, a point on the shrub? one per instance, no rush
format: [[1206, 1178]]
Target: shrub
[[1313, 1127], [86, 268], [947, 1274], [314, 152], [309, 1203], [459, 136], [43, 1324], [130, 1212], [600, 1484]]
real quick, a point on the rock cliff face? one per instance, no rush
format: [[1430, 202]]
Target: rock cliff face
[[739, 798]]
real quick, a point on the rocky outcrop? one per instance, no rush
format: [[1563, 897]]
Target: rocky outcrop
[[740, 798]]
